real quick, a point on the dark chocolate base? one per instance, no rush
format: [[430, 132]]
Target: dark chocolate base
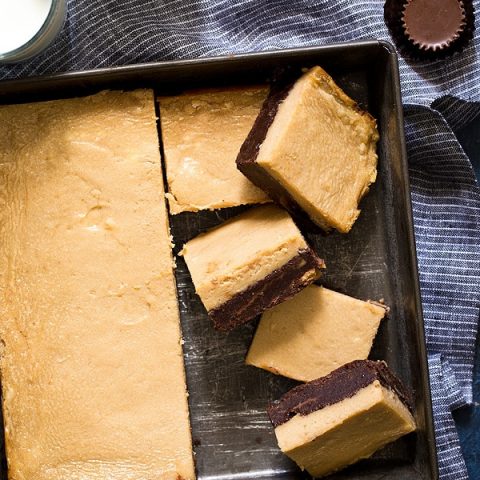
[[250, 147], [342, 383], [278, 286]]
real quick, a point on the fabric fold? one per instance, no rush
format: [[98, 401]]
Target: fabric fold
[[446, 396], [446, 208]]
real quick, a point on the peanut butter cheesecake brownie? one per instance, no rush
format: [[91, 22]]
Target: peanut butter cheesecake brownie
[[334, 421], [249, 264], [314, 333], [313, 151], [202, 133]]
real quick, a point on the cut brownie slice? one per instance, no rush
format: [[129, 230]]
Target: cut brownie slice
[[313, 151], [202, 132], [250, 263], [334, 421], [314, 333]]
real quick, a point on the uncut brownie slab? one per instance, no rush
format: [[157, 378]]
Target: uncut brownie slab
[[249, 264], [202, 132], [92, 368], [314, 333], [313, 151], [334, 421]]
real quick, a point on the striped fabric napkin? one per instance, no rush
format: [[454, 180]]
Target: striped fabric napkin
[[438, 97]]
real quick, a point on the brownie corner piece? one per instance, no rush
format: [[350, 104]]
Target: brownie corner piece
[[249, 264], [331, 422], [313, 151]]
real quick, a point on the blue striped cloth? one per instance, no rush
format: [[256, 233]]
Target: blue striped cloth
[[439, 97]]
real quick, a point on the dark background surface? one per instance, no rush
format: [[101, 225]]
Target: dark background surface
[[468, 418]]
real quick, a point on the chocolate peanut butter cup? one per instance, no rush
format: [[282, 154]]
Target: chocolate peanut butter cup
[[430, 29]]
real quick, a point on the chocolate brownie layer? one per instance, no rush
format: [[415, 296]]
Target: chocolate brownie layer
[[278, 286], [335, 387], [249, 150]]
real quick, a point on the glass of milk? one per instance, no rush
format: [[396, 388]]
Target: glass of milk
[[28, 26]]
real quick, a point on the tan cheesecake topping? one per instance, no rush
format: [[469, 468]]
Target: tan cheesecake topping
[[92, 367], [202, 132], [314, 333]]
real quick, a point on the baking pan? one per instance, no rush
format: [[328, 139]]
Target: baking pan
[[232, 436]]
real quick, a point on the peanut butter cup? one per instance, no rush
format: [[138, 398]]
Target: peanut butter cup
[[430, 29]]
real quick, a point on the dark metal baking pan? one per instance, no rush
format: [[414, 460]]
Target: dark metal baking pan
[[232, 435]]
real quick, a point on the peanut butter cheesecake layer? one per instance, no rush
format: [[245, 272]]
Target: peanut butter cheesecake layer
[[92, 366], [202, 132], [249, 264], [334, 421], [314, 333], [313, 151]]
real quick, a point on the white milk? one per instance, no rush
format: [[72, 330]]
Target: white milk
[[20, 20]]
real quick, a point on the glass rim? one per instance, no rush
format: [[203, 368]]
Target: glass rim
[[18, 53]]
